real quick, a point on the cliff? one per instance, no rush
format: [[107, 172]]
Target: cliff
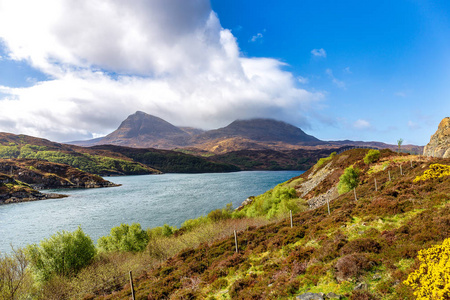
[[439, 145]]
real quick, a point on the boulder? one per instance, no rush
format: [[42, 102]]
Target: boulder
[[311, 296], [439, 145]]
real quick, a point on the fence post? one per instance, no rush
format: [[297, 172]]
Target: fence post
[[235, 241], [132, 287], [328, 204], [376, 188], [290, 213], [389, 175], [354, 191], [401, 171]]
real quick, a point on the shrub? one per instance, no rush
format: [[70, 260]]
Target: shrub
[[372, 156], [275, 202], [434, 171], [432, 279], [124, 238], [352, 265], [64, 253], [349, 180], [13, 274], [162, 231], [221, 214]]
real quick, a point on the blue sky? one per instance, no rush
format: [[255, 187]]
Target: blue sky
[[359, 70]]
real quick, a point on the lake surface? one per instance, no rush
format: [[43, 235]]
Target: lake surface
[[151, 200]]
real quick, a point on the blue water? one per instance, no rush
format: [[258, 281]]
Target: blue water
[[151, 200]]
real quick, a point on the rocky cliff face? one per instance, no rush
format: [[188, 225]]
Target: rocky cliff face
[[439, 145]]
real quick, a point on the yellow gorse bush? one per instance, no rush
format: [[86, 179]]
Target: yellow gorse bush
[[432, 280], [434, 171]]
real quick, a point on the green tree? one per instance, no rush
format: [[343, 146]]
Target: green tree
[[372, 156], [399, 143], [432, 279], [349, 180], [124, 238], [64, 253]]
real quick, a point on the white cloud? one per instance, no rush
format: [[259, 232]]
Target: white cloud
[[257, 37], [174, 60], [319, 52], [302, 79], [361, 124], [339, 83]]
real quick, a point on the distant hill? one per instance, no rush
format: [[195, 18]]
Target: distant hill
[[141, 130]]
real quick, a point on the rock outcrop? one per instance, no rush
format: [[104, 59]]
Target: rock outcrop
[[439, 145]]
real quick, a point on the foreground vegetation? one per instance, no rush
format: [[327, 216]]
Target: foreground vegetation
[[365, 246]]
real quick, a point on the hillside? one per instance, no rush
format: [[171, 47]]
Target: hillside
[[363, 249], [107, 160]]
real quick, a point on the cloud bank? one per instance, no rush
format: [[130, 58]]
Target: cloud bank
[[107, 59]]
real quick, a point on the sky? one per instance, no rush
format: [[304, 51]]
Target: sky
[[358, 70]]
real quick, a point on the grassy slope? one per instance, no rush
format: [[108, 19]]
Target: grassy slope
[[373, 240]]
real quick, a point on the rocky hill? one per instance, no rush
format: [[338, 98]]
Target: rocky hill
[[439, 145]]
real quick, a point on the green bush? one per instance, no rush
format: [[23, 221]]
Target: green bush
[[372, 156], [349, 180], [124, 238], [64, 253], [221, 214], [277, 201], [162, 231]]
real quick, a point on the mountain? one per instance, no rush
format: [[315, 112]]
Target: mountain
[[439, 145], [141, 130], [261, 130]]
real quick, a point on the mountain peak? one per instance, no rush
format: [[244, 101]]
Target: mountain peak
[[143, 130]]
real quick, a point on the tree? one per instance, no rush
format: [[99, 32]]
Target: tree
[[372, 156], [125, 238], [399, 143], [64, 253], [13, 273], [349, 180], [432, 279]]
